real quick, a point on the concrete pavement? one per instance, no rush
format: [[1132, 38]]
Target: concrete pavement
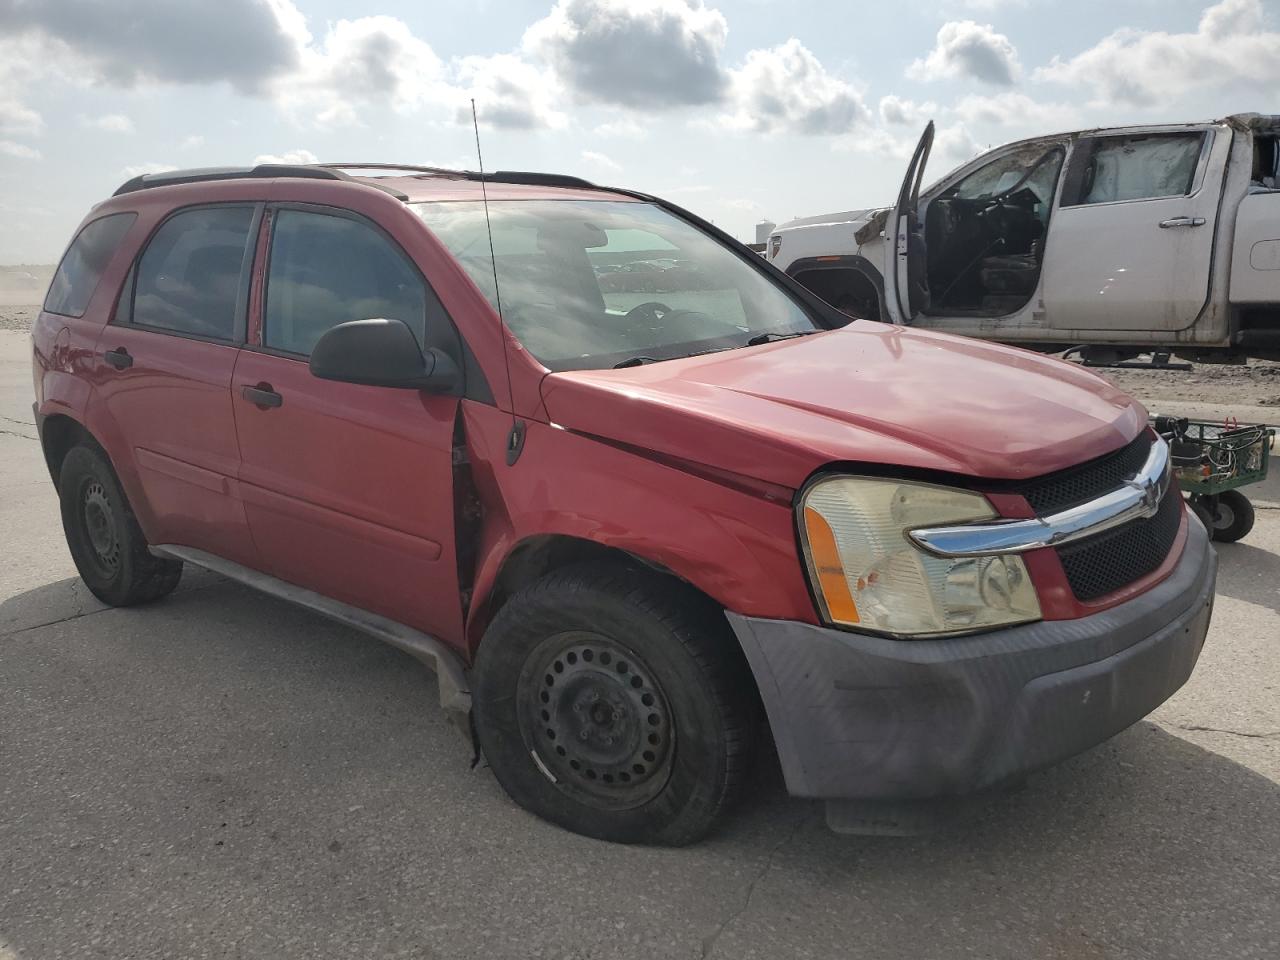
[[223, 775]]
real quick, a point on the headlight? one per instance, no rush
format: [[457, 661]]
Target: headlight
[[866, 573], [775, 244]]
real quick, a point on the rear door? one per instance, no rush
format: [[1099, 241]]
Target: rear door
[[348, 488], [1131, 244], [166, 359], [906, 277]]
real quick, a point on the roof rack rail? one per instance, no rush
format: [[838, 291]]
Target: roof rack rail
[[530, 178], [267, 171], [411, 167], [535, 179]]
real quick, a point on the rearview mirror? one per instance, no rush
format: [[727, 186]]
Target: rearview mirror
[[381, 353]]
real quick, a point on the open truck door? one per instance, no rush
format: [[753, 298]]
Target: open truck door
[[906, 278]]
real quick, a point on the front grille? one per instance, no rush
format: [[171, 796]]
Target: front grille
[[1075, 485], [1102, 564]]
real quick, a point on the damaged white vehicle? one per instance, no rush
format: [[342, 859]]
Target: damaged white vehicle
[[1117, 241]]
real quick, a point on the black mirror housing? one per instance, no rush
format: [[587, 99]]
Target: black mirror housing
[[381, 353]]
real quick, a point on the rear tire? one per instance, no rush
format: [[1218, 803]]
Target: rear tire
[[1233, 517], [616, 704], [103, 535]]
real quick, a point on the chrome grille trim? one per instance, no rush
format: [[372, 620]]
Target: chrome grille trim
[[1137, 497]]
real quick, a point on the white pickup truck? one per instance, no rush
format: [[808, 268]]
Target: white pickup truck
[[1118, 241]]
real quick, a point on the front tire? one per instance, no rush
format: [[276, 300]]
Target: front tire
[[615, 704], [103, 535]]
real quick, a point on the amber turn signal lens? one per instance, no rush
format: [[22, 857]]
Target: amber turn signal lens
[[828, 569]]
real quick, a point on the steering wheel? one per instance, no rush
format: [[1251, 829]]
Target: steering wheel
[[651, 312]]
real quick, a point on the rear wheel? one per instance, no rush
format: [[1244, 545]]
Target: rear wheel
[[614, 704], [103, 535], [1232, 517]]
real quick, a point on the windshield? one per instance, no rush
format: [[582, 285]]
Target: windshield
[[591, 284]]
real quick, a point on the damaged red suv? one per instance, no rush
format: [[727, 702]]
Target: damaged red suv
[[637, 496]]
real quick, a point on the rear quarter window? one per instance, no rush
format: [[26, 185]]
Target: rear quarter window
[[84, 262]]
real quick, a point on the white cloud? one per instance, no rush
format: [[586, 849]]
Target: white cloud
[[601, 160], [955, 144], [624, 129], [653, 54], [16, 118], [1231, 49], [510, 94], [290, 157], [138, 169], [1018, 112], [896, 111], [369, 60], [191, 142], [786, 88], [19, 150], [965, 49], [110, 122]]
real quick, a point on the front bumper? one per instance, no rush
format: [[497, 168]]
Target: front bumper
[[863, 717]]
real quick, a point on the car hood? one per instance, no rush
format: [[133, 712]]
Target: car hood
[[869, 393]]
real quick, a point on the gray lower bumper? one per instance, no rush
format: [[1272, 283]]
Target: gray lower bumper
[[857, 716]]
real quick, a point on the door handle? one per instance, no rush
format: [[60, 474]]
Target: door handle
[[262, 396], [1182, 222], [118, 358]]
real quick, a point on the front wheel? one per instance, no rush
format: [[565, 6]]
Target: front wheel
[[615, 704]]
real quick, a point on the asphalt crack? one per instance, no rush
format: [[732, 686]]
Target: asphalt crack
[[15, 433], [1235, 733], [49, 623], [709, 941]]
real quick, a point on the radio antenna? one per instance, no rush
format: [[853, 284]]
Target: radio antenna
[[497, 295]]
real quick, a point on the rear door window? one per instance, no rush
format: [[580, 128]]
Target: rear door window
[[328, 269], [192, 277], [1146, 167], [85, 260]]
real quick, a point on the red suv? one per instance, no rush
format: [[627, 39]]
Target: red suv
[[633, 526]]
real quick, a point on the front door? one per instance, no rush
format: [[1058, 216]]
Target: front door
[[906, 289], [167, 356], [348, 488], [1131, 244]]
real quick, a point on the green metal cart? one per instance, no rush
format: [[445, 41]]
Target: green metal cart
[[1212, 461]]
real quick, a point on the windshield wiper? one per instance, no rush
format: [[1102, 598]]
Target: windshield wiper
[[761, 338], [634, 362]]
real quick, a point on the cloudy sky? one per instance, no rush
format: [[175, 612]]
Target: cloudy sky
[[738, 109]]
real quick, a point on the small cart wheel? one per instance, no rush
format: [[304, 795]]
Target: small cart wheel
[[1233, 517], [1202, 512]]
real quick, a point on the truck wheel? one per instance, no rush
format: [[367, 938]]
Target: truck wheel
[[106, 542], [616, 705], [1233, 517]]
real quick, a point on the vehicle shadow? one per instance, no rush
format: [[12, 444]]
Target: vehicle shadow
[[1249, 573], [222, 770]]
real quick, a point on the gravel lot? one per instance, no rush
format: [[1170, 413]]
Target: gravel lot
[[221, 775]]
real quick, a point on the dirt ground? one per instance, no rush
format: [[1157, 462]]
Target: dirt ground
[[1250, 394]]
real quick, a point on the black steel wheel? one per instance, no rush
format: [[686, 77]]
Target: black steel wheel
[[596, 716], [616, 703], [106, 543]]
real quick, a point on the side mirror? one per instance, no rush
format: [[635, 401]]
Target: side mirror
[[381, 353]]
